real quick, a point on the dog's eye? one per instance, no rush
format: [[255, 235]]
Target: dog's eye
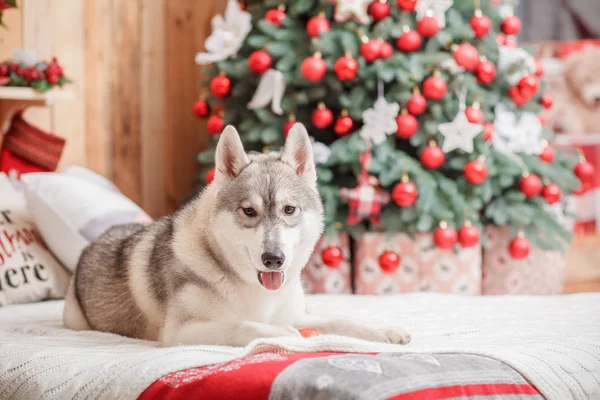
[[289, 210], [249, 211]]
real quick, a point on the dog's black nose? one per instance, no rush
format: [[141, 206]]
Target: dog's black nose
[[273, 259]]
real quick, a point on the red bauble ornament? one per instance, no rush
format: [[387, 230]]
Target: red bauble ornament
[[288, 125], [370, 50], [519, 248], [210, 176], [214, 125], [317, 25], [379, 10], [475, 172], [200, 108], [322, 117], [259, 61], [552, 193], [445, 237], [220, 86], [585, 171], [416, 104], [389, 262], [386, 50], [485, 72], [547, 154], [434, 88], [546, 101], [405, 194], [346, 68], [428, 26], [409, 41], [466, 56], [511, 25], [275, 16], [407, 5], [539, 68], [332, 256], [516, 96], [313, 68], [468, 235], [407, 125], [343, 125], [488, 131], [474, 115], [480, 24], [530, 185], [432, 157], [528, 86]]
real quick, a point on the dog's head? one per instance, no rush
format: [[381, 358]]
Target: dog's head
[[268, 214], [580, 73]]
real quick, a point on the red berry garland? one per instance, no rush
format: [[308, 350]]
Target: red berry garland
[[485, 72], [474, 114], [344, 124], [410, 41], [259, 61], [210, 176], [214, 125], [275, 16], [346, 68], [317, 25], [466, 56], [481, 24], [322, 117], [416, 104], [519, 248], [530, 185], [468, 235], [434, 88], [379, 10], [220, 86], [475, 172], [389, 262], [313, 68], [407, 125], [444, 236], [407, 5], [370, 49], [200, 108], [428, 26], [432, 157], [552, 193], [511, 25], [546, 100], [332, 256]]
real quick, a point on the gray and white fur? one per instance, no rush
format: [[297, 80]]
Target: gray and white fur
[[225, 269]]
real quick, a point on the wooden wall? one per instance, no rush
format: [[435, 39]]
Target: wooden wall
[[135, 80]]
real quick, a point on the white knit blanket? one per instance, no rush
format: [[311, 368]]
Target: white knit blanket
[[553, 341]]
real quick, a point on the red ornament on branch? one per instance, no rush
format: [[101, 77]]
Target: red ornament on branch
[[313, 68], [511, 25], [474, 114], [445, 236], [322, 117], [530, 185], [379, 10], [488, 131], [466, 56], [210, 176], [259, 61], [288, 125], [552, 193], [332, 256], [475, 172], [432, 157], [428, 26], [519, 247], [386, 50], [214, 125], [539, 68], [546, 101], [407, 125], [410, 41], [468, 235], [276, 15], [346, 68], [584, 170], [434, 87], [407, 5], [317, 25], [516, 96], [485, 72], [220, 86], [480, 24], [389, 262], [405, 193], [344, 124], [528, 86], [370, 49], [416, 104], [547, 154], [200, 108]]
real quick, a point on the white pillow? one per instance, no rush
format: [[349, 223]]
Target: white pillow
[[73, 208], [28, 271]]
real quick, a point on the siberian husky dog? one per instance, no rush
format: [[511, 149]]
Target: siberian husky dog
[[225, 269]]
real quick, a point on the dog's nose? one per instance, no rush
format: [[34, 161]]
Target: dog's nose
[[273, 259]]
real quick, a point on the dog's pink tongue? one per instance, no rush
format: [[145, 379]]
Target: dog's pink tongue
[[271, 280]]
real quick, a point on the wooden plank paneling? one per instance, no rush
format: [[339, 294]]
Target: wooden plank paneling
[[11, 35]]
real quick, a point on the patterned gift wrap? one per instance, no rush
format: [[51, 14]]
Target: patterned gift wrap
[[319, 278], [423, 267], [541, 273]]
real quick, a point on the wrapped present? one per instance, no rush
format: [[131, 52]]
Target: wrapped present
[[422, 267], [319, 278], [540, 273]]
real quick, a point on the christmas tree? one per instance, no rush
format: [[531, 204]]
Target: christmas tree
[[424, 113]]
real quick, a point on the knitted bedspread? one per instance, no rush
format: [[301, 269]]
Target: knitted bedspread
[[554, 342]]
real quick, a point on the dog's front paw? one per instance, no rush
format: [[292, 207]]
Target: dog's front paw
[[395, 335], [249, 331], [370, 332]]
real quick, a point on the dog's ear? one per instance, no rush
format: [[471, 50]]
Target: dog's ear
[[230, 157], [298, 153]]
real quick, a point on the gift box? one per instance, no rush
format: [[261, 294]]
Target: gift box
[[423, 267], [319, 278], [540, 273]]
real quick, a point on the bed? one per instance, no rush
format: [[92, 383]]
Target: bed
[[517, 347]]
